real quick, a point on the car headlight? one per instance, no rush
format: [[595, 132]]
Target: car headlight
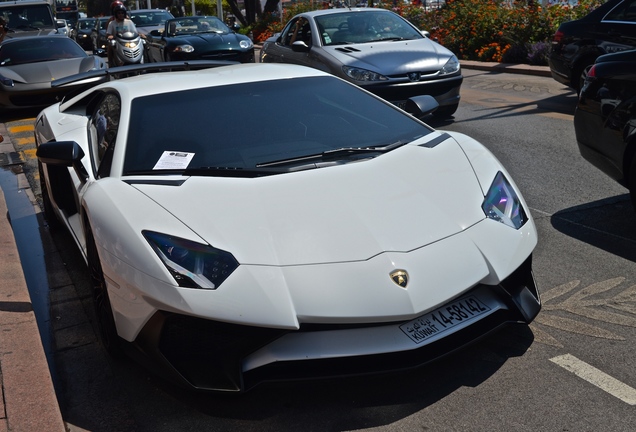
[[362, 74], [193, 265], [502, 203], [245, 44], [8, 82], [184, 49], [451, 66]]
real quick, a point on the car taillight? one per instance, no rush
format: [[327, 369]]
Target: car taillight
[[557, 36], [592, 72]]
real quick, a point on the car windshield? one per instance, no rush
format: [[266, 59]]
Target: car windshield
[[28, 17], [86, 24], [40, 49], [150, 18], [362, 27], [190, 25], [250, 126]]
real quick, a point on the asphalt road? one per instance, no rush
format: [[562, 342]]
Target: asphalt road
[[572, 369]]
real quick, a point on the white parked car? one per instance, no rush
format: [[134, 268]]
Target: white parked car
[[254, 222], [63, 27]]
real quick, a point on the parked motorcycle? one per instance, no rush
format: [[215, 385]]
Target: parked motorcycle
[[127, 48]]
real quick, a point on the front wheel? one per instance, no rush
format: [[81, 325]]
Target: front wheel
[[105, 320], [580, 73]]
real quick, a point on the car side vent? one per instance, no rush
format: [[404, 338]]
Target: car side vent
[[347, 49]]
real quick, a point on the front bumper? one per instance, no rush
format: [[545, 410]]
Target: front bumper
[[444, 90], [214, 356]]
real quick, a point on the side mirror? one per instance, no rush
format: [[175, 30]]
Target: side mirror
[[421, 106], [63, 153], [172, 29], [300, 46]]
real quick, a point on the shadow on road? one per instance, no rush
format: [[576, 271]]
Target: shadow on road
[[606, 224]]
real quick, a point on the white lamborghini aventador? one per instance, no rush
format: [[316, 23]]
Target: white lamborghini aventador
[[244, 223]]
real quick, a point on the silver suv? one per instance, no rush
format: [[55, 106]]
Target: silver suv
[[28, 18]]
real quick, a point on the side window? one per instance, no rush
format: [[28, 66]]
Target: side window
[[625, 11], [304, 34], [103, 132]]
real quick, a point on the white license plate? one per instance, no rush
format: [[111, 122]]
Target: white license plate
[[443, 319]]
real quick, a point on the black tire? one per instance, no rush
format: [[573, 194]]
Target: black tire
[[47, 207], [103, 310], [580, 73], [445, 111]]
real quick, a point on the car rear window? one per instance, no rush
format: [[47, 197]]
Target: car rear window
[[244, 125]]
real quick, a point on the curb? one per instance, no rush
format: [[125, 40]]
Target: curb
[[28, 401], [507, 68]]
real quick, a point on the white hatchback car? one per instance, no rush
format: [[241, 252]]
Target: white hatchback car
[[254, 222]]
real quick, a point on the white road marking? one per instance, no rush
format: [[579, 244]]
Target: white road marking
[[596, 377]]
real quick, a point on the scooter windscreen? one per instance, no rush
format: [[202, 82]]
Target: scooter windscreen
[[128, 35]]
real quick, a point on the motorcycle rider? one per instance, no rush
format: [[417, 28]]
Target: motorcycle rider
[[120, 24], [109, 48]]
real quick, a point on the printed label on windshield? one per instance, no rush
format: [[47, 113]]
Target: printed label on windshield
[[173, 160]]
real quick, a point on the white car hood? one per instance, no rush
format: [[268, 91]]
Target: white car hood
[[400, 201], [393, 57]]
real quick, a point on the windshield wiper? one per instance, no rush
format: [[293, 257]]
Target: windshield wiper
[[393, 38], [338, 153]]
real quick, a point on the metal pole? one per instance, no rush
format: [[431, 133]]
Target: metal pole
[[219, 9], [194, 12]]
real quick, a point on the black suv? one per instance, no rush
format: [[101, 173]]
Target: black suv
[[575, 46]]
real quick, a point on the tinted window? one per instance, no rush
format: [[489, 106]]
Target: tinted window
[[150, 18], [23, 17], [85, 24], [243, 125], [40, 49], [103, 129], [625, 11]]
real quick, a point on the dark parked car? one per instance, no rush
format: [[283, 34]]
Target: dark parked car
[[198, 38], [605, 118], [83, 31], [575, 46], [29, 66], [98, 36]]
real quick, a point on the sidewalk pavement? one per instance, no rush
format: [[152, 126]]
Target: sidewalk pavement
[[27, 396], [27, 399]]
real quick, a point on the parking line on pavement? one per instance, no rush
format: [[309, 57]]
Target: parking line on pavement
[[21, 128], [24, 141], [596, 377]]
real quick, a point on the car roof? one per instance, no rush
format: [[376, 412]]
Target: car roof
[[146, 10], [343, 10], [167, 82], [31, 38]]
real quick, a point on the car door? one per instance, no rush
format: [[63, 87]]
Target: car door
[[281, 51]]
